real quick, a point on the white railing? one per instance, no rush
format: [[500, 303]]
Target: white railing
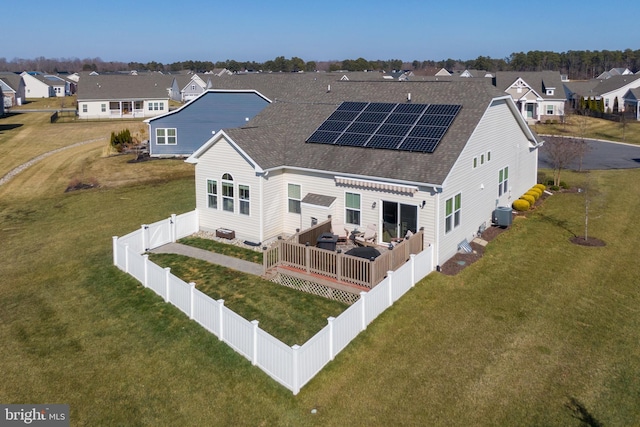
[[291, 366]]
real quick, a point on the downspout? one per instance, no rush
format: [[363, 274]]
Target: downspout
[[436, 253], [262, 202]]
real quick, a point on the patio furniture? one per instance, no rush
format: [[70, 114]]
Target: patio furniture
[[340, 229], [369, 237]]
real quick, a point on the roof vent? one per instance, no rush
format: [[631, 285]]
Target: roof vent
[[328, 88]]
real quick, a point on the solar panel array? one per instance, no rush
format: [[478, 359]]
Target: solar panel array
[[406, 127]]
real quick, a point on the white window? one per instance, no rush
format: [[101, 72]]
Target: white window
[[227, 192], [166, 136], [293, 194], [243, 195], [352, 208], [475, 162], [212, 193], [503, 181], [84, 108], [452, 212], [550, 91], [550, 110], [103, 108], [488, 156], [482, 159]]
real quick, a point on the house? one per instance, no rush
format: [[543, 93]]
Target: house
[[194, 88], [611, 90], [13, 88], [632, 102], [183, 131], [443, 72], [123, 96], [475, 74], [614, 72], [36, 86], [1, 103], [540, 96], [369, 155]]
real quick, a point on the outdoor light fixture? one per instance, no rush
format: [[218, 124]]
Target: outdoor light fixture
[[373, 205], [424, 202]]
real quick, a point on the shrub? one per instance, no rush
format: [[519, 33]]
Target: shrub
[[554, 188], [529, 199], [521, 205], [533, 194], [541, 187], [563, 185], [121, 139]]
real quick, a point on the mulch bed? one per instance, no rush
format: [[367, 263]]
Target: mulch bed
[[461, 260]]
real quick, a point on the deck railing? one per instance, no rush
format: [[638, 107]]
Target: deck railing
[[339, 266]]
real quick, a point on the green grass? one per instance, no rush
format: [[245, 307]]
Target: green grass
[[291, 316], [517, 338], [223, 248]]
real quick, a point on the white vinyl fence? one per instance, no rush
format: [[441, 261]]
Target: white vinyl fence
[[291, 366]]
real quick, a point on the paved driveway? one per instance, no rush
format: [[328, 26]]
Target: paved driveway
[[602, 155]]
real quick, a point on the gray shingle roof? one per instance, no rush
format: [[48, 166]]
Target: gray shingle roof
[[11, 79], [538, 80], [276, 137], [112, 86]]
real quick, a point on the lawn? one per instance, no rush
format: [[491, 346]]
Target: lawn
[[538, 332], [593, 128]]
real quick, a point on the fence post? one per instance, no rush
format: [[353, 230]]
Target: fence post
[[115, 250], [126, 257], [363, 297], [220, 319], [146, 270], [307, 258], [412, 260], [330, 321], [172, 223], [144, 235], [167, 271], [339, 266], [192, 291], [295, 387], [254, 359], [390, 277]]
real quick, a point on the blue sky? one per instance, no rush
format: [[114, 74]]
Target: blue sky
[[250, 30]]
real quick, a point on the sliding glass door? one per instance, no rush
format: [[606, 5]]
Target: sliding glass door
[[397, 219]]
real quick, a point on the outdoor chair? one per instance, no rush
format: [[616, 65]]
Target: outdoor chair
[[369, 237]]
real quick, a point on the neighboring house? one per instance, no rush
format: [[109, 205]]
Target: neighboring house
[[195, 87], [1, 103], [13, 87], [632, 102], [123, 96], [614, 72], [475, 73], [443, 73], [540, 96], [183, 131], [611, 90], [472, 152], [36, 86]]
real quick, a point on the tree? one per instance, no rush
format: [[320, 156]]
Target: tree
[[562, 152]]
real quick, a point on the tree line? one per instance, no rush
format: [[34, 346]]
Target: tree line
[[578, 65]]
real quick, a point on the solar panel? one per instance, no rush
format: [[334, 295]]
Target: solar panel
[[422, 145], [384, 141], [406, 127], [353, 139], [402, 119], [352, 106], [323, 137], [334, 126], [377, 107]]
